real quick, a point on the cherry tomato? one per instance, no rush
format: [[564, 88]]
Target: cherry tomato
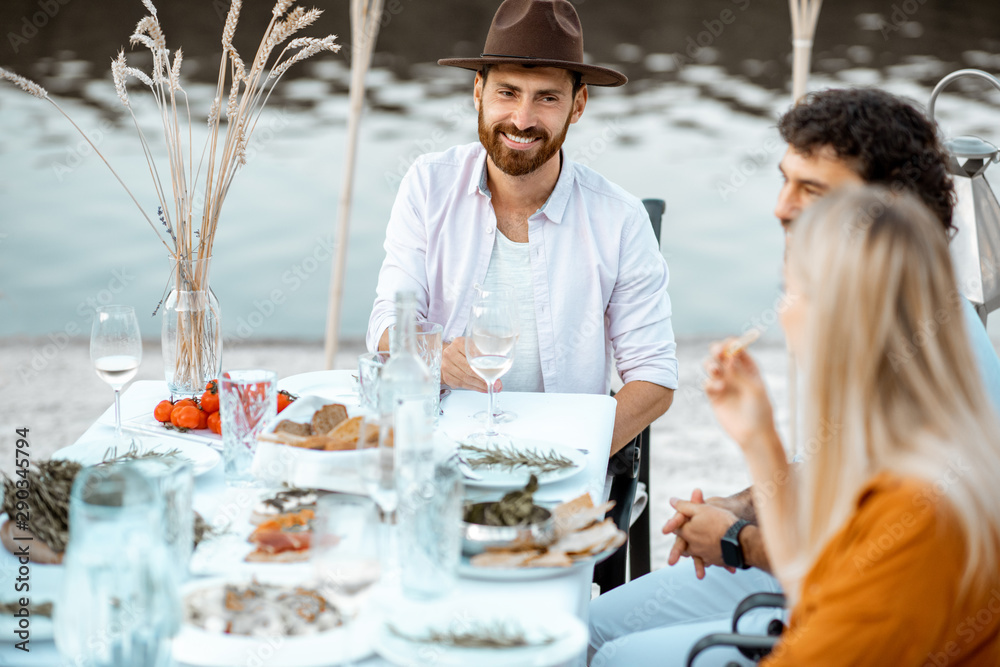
[[215, 423], [186, 416], [285, 399], [163, 410], [210, 399], [176, 412], [202, 419]]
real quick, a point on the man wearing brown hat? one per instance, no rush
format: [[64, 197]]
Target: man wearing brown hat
[[578, 251]]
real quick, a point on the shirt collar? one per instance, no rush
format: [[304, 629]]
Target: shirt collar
[[554, 206]]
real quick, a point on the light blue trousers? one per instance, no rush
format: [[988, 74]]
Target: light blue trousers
[[656, 619]]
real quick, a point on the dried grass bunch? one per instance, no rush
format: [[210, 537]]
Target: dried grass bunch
[[186, 236]]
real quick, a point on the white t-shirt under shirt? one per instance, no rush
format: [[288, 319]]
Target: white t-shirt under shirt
[[510, 264]]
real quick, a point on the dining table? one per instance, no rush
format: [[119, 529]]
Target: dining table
[[583, 422]]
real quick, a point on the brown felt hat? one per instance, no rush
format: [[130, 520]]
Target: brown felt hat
[[538, 33]]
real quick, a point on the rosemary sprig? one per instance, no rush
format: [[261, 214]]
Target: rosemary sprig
[[111, 455], [512, 457], [49, 484], [499, 634]]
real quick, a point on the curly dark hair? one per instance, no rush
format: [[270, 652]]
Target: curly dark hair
[[883, 138]]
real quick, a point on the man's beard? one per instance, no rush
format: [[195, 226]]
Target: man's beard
[[519, 163]]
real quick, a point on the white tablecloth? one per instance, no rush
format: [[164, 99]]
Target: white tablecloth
[[580, 420]]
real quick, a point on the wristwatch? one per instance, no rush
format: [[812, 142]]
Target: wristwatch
[[732, 552]]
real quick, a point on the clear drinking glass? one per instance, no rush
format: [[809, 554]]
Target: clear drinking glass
[[173, 481], [489, 348], [500, 416], [344, 551], [429, 347], [115, 351], [375, 460], [430, 531], [369, 371], [248, 400], [120, 604]]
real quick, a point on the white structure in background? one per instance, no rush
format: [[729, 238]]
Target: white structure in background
[[975, 250]]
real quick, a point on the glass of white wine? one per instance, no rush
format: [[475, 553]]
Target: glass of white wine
[[115, 351], [489, 348], [500, 416]]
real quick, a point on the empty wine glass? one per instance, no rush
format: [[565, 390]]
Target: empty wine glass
[[115, 351], [345, 553], [489, 348], [500, 416]]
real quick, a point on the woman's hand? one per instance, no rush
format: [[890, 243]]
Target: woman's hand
[[737, 395]]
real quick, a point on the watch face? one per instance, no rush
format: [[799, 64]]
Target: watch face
[[732, 552], [732, 555]]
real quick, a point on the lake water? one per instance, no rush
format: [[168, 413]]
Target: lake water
[[694, 126]]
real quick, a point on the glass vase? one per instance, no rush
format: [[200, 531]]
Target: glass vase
[[191, 334]]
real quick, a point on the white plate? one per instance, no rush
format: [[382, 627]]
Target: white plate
[[470, 571], [500, 478], [148, 424], [569, 633], [337, 386], [88, 453], [196, 646]]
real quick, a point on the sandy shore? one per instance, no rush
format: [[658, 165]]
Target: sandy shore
[[50, 387]]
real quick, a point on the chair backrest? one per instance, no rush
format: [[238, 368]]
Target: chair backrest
[[655, 208]]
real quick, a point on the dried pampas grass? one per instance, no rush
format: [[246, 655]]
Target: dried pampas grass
[[189, 234]]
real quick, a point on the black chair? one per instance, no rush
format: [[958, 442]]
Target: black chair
[[754, 647], [629, 467]]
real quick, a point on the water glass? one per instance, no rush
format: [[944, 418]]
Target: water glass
[[248, 400], [120, 604], [173, 481], [429, 349], [369, 371], [344, 551], [376, 464], [430, 532]]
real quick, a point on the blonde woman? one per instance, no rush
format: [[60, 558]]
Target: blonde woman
[[887, 536]]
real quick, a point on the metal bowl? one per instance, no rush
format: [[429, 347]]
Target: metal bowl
[[476, 537]]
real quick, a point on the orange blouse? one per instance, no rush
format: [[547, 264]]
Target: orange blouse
[[885, 589]]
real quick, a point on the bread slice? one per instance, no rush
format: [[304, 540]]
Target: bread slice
[[295, 428], [328, 418], [345, 436]]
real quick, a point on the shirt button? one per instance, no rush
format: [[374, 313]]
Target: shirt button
[[489, 229]]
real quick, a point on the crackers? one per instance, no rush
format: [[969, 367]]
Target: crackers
[[580, 534]]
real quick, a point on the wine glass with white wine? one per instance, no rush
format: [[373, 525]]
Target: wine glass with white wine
[[500, 416], [489, 348], [115, 351]]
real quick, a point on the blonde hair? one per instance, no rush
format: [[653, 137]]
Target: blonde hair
[[892, 381]]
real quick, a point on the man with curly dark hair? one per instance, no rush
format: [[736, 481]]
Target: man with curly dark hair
[[861, 135], [835, 138]]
